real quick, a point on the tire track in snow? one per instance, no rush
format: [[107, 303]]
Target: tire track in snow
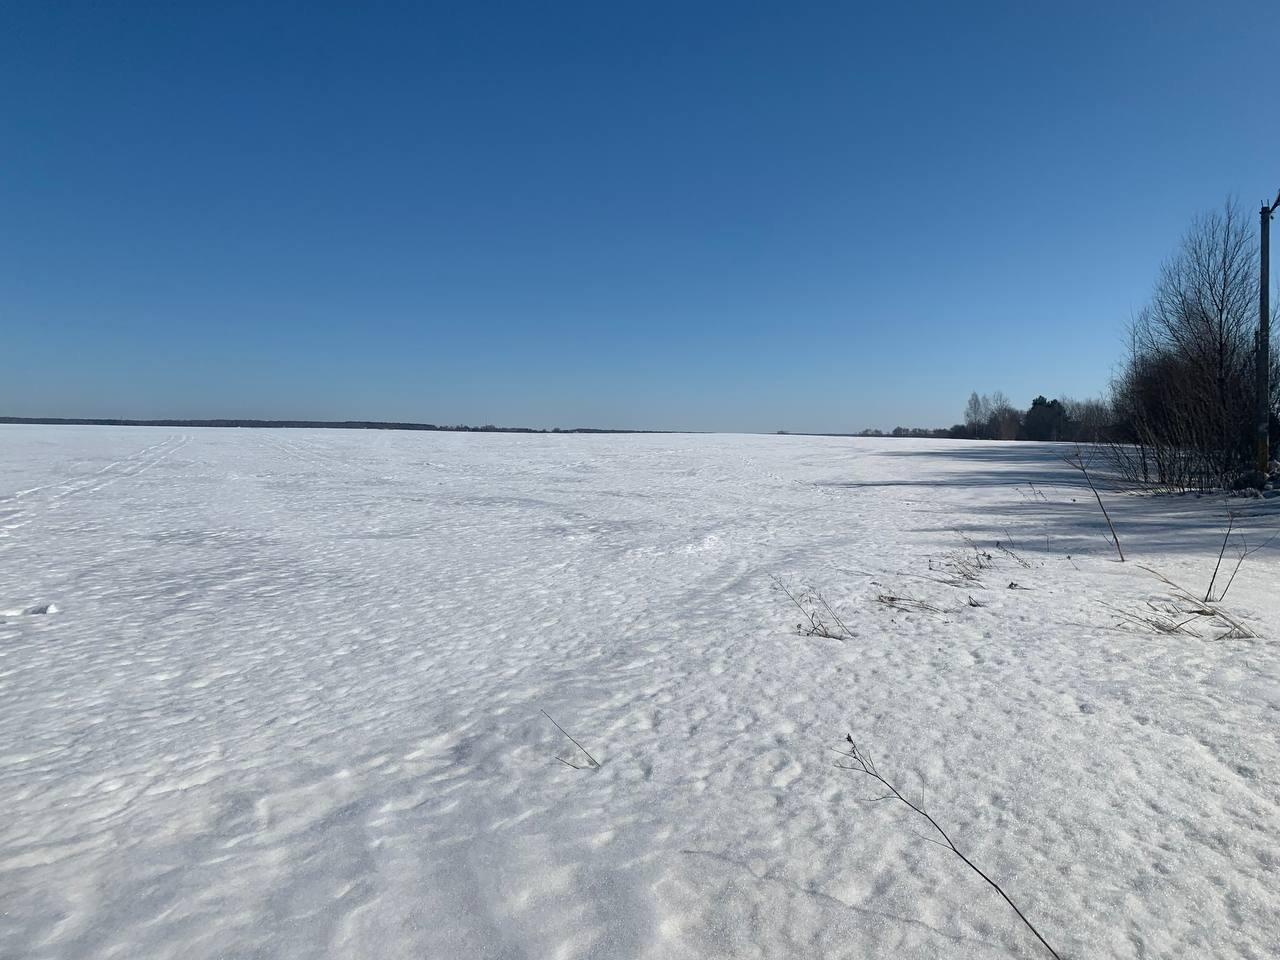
[[126, 468], [20, 494], [169, 448]]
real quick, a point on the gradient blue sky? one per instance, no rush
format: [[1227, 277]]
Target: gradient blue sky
[[722, 216]]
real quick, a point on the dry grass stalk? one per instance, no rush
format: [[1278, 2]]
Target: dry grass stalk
[[1237, 629], [909, 604], [591, 763], [820, 619], [1078, 463], [860, 762]]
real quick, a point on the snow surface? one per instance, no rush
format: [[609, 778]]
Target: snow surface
[[279, 694]]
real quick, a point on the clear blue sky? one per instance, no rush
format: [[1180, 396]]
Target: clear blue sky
[[724, 216]]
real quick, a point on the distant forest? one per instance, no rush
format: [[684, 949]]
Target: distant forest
[[993, 417], [309, 424]]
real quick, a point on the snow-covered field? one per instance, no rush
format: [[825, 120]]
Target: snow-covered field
[[287, 701]]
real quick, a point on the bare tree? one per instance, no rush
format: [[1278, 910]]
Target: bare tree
[[1004, 419], [1184, 398], [1088, 421], [975, 415]]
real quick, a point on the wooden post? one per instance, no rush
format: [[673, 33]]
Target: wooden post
[[1263, 382]]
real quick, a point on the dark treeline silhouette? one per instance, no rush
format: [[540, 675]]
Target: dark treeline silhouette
[[993, 417], [309, 424]]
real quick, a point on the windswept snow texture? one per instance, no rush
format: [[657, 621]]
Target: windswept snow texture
[[279, 694]]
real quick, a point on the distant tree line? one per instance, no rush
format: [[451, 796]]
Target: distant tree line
[[308, 424], [993, 417]]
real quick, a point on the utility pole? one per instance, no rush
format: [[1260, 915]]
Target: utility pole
[[1263, 383]]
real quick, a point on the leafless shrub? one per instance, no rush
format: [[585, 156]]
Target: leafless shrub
[[962, 568], [820, 619], [1087, 420], [957, 570], [1183, 403], [860, 762]]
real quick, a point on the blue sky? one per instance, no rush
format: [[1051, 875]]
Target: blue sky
[[722, 216]]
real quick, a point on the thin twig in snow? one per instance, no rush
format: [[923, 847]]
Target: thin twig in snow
[[834, 616], [863, 764], [590, 759], [1231, 519], [1245, 553], [813, 624], [1079, 464]]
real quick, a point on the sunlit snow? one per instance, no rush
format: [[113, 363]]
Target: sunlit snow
[[280, 694]]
